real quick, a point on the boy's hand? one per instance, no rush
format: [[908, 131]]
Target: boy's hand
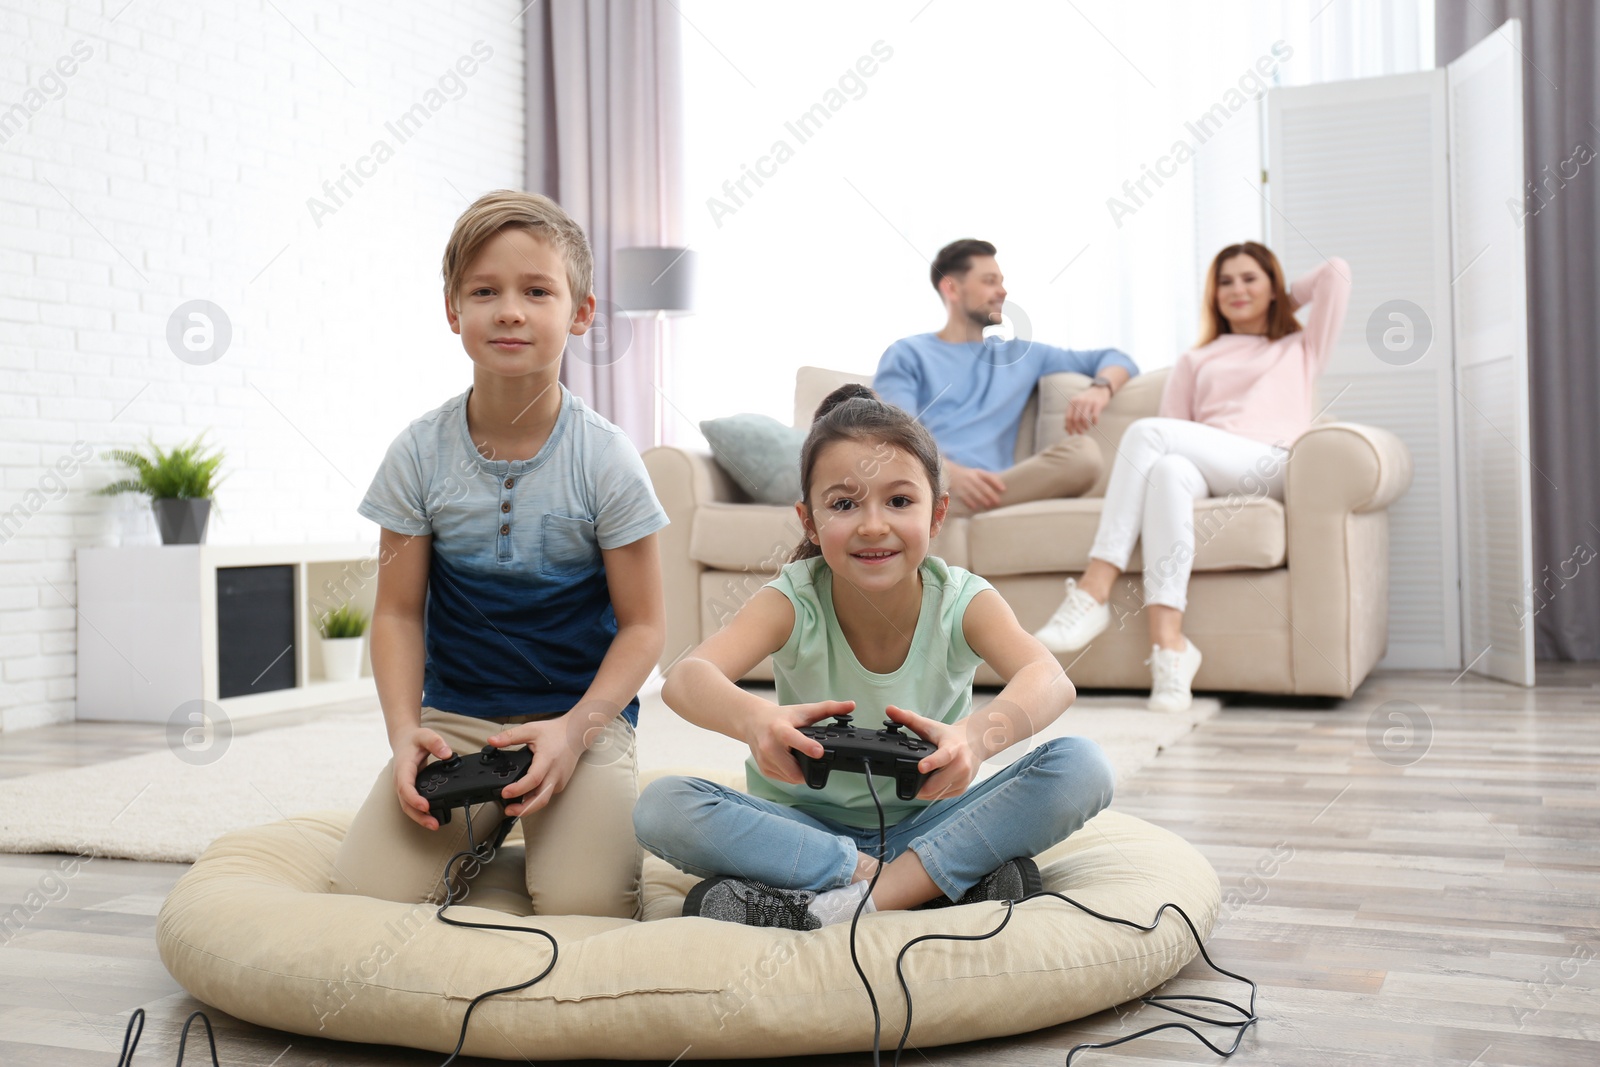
[[557, 744], [952, 767], [773, 735], [411, 751]]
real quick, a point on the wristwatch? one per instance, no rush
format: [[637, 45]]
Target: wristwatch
[[1100, 379]]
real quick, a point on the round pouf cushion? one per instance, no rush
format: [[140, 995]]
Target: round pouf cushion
[[252, 930]]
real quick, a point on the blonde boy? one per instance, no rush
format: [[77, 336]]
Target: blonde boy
[[519, 588]]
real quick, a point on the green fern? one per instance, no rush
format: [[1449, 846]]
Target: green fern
[[186, 472], [346, 620]]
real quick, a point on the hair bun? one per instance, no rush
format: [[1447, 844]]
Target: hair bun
[[853, 391]]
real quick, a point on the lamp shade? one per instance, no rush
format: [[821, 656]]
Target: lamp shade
[[651, 280]]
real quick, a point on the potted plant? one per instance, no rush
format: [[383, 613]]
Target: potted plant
[[342, 630], [180, 484]]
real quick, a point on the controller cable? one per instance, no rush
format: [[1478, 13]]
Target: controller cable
[[1166, 1002], [455, 892]]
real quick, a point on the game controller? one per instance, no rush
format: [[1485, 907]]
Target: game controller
[[891, 752], [461, 781]]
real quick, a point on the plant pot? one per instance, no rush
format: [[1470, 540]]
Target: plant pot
[[341, 658], [182, 522]]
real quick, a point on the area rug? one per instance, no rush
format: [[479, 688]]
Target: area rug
[[161, 807]]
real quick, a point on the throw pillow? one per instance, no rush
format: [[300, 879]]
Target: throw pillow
[[760, 453]]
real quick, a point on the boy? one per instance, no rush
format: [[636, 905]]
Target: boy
[[522, 526]]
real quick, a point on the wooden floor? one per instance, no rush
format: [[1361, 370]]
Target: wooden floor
[[1412, 876]]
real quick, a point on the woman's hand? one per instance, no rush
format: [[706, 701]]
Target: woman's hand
[[557, 744], [411, 750], [953, 767], [1083, 410], [775, 733]]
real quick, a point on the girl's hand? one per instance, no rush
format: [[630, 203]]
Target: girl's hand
[[952, 767], [772, 736], [557, 744], [411, 751]]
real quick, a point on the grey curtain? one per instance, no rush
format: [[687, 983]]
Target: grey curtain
[[1561, 98], [604, 139]]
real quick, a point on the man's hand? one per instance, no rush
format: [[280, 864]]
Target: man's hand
[[1083, 411], [978, 489]]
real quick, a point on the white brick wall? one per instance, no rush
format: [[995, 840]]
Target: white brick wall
[[174, 163]]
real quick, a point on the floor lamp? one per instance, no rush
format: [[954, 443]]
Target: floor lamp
[[655, 282]]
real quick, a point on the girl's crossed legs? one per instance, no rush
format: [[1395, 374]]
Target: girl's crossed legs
[[708, 829]]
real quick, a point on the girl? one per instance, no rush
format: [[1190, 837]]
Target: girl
[[864, 621], [1230, 411]]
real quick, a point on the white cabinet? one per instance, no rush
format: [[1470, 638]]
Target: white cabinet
[[148, 635]]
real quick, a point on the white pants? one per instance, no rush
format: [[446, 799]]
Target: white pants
[[1163, 466]]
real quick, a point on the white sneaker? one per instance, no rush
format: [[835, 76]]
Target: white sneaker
[[1170, 675], [1080, 619]]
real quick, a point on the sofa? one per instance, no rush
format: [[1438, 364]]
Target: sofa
[[1285, 598]]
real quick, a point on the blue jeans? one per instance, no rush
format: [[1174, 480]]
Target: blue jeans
[[709, 829]]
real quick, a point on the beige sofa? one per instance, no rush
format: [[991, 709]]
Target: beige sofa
[[1285, 598]]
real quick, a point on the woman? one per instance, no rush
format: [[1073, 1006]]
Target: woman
[[1230, 411]]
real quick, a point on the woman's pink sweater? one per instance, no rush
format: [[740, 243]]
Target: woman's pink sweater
[[1262, 389]]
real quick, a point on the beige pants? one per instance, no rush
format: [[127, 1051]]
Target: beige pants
[[582, 857], [1067, 468]]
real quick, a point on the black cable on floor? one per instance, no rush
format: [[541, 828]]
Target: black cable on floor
[[454, 892], [135, 1030], [1166, 1002]]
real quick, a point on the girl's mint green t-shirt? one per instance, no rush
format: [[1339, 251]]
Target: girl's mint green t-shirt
[[816, 663]]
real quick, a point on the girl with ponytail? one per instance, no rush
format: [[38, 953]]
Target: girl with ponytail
[[864, 622]]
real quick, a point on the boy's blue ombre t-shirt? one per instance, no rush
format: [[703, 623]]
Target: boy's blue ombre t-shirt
[[519, 615]]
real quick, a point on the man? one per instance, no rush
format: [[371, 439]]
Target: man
[[970, 393]]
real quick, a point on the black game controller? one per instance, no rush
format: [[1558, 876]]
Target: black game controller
[[891, 752], [461, 781]]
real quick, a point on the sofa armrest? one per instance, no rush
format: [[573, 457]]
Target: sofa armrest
[[689, 478], [684, 481], [1342, 477], [1347, 467]]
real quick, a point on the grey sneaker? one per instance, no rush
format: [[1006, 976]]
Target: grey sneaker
[[743, 900], [1012, 880], [1080, 619]]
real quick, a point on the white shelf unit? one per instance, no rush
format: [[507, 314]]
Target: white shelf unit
[[147, 626]]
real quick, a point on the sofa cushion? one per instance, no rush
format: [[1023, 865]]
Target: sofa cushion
[[758, 452], [1139, 399], [811, 384], [1054, 536], [744, 537]]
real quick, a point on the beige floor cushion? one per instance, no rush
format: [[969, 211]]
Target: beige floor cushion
[[250, 930]]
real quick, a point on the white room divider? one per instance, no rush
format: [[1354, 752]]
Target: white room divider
[[1408, 178], [1359, 169], [1491, 349]]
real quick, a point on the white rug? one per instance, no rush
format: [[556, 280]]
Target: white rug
[[157, 807]]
